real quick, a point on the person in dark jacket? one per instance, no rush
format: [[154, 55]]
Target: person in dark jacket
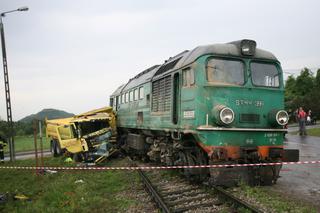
[[3, 143]]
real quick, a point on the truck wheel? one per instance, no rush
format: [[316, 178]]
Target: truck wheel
[[58, 150], [52, 147], [77, 157], [55, 148]]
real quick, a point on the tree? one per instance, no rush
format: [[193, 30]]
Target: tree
[[303, 91]]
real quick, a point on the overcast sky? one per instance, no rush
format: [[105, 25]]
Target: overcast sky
[[72, 55]]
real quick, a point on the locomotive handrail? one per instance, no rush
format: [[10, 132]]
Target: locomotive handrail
[[205, 128]]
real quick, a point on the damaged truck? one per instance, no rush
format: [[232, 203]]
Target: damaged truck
[[88, 137]]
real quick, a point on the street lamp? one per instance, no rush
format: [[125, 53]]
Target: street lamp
[[6, 82]]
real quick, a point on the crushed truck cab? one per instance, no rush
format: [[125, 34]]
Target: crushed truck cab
[[81, 135]]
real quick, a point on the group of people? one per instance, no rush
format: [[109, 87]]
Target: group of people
[[303, 118]]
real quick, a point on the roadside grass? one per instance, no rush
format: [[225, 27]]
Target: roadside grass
[[96, 192], [26, 143], [311, 132], [262, 197], [314, 132]]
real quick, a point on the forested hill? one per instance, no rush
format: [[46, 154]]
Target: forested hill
[[47, 113]]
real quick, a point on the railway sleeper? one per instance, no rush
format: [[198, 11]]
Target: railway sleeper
[[188, 199], [195, 206], [177, 196], [170, 192]]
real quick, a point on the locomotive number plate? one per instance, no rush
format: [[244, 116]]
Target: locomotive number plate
[[188, 114], [249, 103]]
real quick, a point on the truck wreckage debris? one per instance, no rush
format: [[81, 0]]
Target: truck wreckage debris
[[88, 137]]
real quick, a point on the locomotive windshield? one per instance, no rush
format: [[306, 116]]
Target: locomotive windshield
[[266, 75], [225, 71]]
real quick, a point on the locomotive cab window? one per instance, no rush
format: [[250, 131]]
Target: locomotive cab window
[[263, 74], [225, 71], [188, 77]]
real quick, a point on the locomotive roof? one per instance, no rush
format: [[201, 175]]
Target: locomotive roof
[[187, 57], [118, 90], [142, 77]]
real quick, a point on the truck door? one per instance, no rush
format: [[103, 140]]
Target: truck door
[[68, 140]]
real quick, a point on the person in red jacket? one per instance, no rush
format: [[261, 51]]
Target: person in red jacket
[[302, 115]]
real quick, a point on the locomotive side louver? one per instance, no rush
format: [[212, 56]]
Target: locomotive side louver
[[161, 95]]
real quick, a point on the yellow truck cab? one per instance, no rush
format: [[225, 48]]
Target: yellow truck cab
[[83, 134]]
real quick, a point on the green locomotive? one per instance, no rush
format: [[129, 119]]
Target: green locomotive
[[215, 104]]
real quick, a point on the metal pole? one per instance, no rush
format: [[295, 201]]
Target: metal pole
[[41, 145], [7, 91], [35, 144]]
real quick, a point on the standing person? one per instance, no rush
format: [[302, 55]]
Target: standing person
[[302, 121], [3, 143], [309, 117]]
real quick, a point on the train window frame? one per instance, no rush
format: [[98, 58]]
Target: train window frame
[[131, 95], [135, 94], [126, 97], [269, 63], [122, 98], [188, 77], [244, 70], [141, 92]]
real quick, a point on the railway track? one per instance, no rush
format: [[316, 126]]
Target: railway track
[[175, 195]]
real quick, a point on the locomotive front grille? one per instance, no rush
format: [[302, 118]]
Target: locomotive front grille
[[249, 118]]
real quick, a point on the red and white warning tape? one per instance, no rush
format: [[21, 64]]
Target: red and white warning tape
[[155, 167]]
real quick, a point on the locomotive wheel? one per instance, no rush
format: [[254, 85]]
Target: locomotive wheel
[[187, 159]]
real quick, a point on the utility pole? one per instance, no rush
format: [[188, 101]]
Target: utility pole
[[6, 84]]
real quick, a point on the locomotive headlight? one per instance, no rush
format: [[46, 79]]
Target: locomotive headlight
[[226, 115], [282, 117], [248, 47], [278, 117]]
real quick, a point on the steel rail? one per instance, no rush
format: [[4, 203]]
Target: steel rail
[[158, 198], [152, 190], [238, 202]]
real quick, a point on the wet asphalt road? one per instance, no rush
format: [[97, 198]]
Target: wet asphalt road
[[27, 155], [301, 182]]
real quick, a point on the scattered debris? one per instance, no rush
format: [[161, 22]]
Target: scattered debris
[[51, 171], [68, 160], [79, 181], [21, 197], [3, 198]]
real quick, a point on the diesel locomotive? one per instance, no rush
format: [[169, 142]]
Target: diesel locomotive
[[216, 104]]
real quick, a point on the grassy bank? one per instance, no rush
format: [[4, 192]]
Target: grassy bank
[[312, 132], [26, 143], [66, 191], [270, 201]]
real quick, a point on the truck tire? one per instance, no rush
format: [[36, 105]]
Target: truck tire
[[52, 148], [55, 148], [58, 149]]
